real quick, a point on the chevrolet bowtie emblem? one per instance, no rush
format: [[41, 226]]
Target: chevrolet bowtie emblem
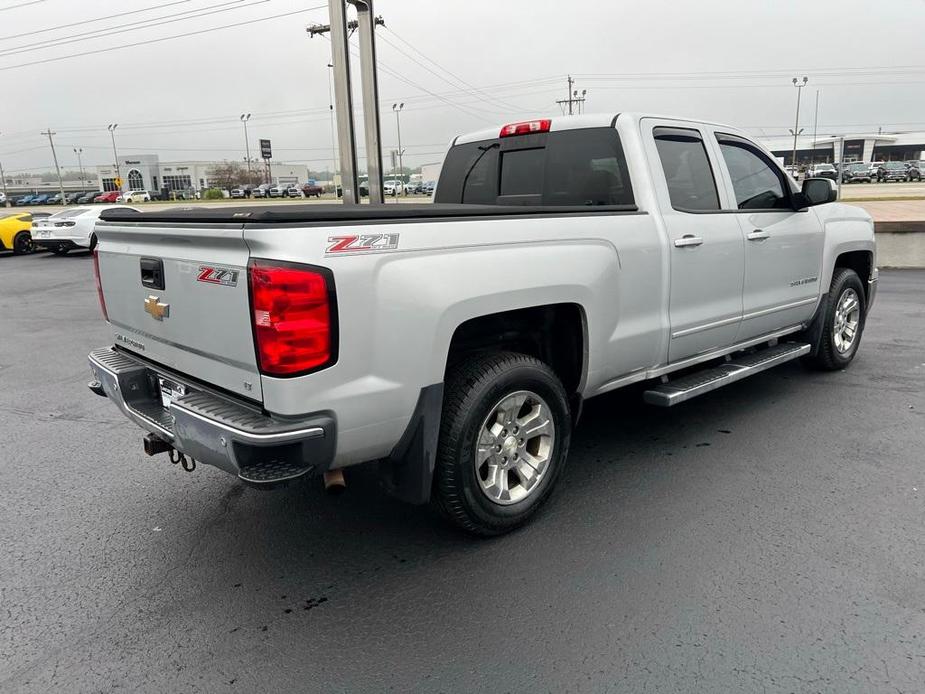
[[157, 310]]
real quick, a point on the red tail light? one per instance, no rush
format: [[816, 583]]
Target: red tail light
[[526, 127], [99, 284], [294, 317]]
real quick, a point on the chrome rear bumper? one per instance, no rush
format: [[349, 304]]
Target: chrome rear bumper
[[215, 429]]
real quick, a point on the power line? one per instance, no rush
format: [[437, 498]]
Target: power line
[[468, 110], [133, 26], [163, 38], [91, 21], [22, 4], [475, 91]]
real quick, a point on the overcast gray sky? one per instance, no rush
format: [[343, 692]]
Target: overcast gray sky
[[458, 65]]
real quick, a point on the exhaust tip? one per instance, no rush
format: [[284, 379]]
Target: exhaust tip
[[334, 482]]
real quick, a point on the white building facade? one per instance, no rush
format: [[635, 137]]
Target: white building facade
[[147, 172], [850, 147]]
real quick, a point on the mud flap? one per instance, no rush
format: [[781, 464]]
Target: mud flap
[[408, 472]]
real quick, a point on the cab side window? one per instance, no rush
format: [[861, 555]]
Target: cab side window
[[691, 184], [757, 183]]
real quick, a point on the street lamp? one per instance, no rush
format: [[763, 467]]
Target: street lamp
[[796, 126], [6, 201], [78, 151], [397, 109], [112, 133], [247, 147]]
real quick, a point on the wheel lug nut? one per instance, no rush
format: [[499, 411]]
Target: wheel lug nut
[[521, 442], [504, 432], [498, 448], [515, 430]]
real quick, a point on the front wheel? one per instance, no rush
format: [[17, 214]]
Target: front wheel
[[504, 439], [845, 312]]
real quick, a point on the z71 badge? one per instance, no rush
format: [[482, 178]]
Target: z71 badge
[[361, 243], [217, 275]]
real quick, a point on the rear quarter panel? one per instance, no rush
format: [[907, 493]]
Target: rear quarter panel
[[398, 309]]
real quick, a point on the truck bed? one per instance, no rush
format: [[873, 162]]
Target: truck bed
[[336, 212]]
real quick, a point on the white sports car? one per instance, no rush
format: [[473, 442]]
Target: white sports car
[[70, 228]]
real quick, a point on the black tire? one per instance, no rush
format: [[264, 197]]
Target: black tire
[[473, 389], [92, 242], [22, 243], [828, 357]]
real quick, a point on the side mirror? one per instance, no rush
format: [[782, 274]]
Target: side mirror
[[817, 191]]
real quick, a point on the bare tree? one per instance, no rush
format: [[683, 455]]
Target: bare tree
[[230, 174]]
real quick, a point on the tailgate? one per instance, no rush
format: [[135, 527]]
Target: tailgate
[[177, 294]]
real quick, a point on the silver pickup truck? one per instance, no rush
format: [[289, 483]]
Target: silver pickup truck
[[454, 342]]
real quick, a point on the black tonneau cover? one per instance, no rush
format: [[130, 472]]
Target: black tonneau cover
[[319, 214]]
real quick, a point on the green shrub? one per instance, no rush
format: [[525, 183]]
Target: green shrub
[[212, 194]]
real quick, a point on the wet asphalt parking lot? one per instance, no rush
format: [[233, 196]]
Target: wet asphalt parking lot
[[767, 537]]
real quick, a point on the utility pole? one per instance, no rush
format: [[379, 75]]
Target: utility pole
[[112, 133], [78, 151], [574, 98], [339, 27], [816, 128], [333, 131], [369, 83], [401, 169], [247, 147], [55, 157], [796, 125]]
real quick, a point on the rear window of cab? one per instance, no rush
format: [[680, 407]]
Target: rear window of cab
[[579, 167]]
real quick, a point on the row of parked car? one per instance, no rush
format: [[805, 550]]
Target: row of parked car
[[867, 172], [78, 197], [63, 231], [280, 190]]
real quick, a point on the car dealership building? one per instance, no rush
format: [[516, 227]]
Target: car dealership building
[[880, 146], [147, 172]]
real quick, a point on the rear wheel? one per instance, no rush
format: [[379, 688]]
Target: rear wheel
[[92, 242], [504, 439], [22, 243], [843, 321]]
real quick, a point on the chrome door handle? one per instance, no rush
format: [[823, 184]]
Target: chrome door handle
[[687, 240], [757, 235]]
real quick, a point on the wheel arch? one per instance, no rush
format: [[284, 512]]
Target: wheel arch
[[556, 334]]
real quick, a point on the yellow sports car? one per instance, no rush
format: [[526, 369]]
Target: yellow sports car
[[16, 232]]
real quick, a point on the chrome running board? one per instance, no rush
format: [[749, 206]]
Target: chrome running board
[[700, 382]]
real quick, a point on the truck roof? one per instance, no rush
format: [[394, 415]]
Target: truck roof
[[585, 120]]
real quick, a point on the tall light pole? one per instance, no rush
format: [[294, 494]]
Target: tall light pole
[[6, 196], [796, 126], [78, 151], [816, 127], [54, 156], [333, 136], [112, 133], [247, 146], [401, 173]]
